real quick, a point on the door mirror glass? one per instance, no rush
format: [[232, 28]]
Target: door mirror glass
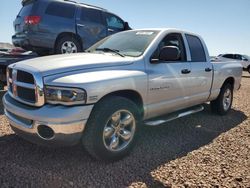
[[169, 53]]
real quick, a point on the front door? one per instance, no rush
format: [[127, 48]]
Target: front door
[[168, 81], [90, 26]]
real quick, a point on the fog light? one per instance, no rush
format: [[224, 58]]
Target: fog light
[[45, 132]]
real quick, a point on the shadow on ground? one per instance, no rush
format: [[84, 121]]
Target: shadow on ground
[[25, 164], [1, 105]]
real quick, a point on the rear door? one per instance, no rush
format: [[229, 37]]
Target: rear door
[[90, 26], [201, 71], [114, 23]]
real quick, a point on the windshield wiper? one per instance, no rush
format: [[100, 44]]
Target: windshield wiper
[[110, 50]]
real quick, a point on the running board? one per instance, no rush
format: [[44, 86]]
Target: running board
[[174, 116]]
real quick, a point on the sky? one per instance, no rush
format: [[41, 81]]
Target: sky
[[223, 24]]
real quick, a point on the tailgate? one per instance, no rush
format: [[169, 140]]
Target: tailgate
[[19, 23]]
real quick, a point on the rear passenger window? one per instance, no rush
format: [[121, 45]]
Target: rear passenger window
[[61, 10], [91, 15], [196, 49]]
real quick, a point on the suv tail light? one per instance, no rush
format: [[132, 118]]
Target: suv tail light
[[32, 20]]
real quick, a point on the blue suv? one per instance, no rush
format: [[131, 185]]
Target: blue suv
[[60, 26]]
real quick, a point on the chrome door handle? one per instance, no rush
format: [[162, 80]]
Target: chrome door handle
[[110, 30], [80, 25]]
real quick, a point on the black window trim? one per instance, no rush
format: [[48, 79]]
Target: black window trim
[[186, 34]]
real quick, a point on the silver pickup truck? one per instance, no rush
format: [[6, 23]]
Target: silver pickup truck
[[100, 98]]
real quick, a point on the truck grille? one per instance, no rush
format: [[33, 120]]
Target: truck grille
[[25, 87]]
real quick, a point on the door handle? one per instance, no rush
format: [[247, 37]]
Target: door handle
[[208, 69], [185, 71], [111, 30], [80, 25]]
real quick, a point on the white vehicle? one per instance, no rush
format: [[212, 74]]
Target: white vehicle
[[243, 59], [98, 98]]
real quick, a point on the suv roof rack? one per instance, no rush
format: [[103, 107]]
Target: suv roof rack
[[85, 4]]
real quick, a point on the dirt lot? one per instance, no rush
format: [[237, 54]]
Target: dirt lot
[[202, 150]]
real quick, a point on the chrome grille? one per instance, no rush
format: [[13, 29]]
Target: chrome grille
[[25, 87]]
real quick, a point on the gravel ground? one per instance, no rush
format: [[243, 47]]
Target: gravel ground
[[202, 150]]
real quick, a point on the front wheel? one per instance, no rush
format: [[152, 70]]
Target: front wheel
[[111, 129], [222, 105]]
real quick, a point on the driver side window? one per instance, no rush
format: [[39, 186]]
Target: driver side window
[[173, 39]]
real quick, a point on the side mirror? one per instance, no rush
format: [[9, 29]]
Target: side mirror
[[169, 53], [126, 26]]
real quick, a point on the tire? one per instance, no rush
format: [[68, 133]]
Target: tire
[[103, 145], [222, 105], [67, 44], [248, 69]]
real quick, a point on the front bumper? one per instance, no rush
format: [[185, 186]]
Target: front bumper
[[50, 125]]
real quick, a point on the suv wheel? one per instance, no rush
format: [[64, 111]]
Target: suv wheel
[[222, 105], [67, 45], [111, 129]]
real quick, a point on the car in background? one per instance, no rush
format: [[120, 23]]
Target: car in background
[[243, 59], [63, 26]]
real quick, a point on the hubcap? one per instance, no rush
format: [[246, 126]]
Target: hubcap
[[119, 130], [227, 98], [68, 47]]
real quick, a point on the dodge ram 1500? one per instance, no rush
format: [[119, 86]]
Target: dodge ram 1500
[[99, 98]]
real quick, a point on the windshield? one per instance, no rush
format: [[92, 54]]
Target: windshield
[[129, 43]]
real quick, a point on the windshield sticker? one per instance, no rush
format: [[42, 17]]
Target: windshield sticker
[[144, 33]]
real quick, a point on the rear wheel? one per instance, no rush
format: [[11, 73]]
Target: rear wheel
[[248, 69], [111, 129], [68, 45], [222, 105]]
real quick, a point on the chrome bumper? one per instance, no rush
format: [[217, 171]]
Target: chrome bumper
[[48, 125]]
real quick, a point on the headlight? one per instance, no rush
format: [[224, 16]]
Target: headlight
[[65, 96]]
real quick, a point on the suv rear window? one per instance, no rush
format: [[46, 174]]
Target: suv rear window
[[61, 10], [196, 49], [25, 10], [91, 15]]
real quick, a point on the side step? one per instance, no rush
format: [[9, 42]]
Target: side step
[[174, 116]]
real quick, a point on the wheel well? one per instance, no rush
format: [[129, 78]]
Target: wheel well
[[73, 35], [131, 95], [230, 81]]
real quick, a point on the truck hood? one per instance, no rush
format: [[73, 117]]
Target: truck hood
[[56, 64]]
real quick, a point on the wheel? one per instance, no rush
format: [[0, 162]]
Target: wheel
[[248, 69], [222, 105], [67, 45], [111, 129]]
